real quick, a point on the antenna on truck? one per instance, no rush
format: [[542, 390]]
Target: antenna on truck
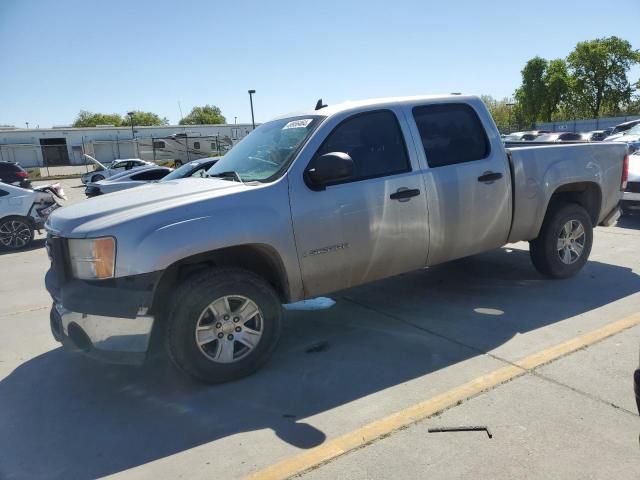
[[319, 104]]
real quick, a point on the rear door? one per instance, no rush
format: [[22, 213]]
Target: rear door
[[467, 180], [372, 225]]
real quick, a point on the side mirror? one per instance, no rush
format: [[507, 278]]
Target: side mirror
[[328, 168]]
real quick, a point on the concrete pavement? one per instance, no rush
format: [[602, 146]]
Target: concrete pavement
[[386, 346]]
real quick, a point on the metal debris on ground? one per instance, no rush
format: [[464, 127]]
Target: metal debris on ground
[[479, 428]]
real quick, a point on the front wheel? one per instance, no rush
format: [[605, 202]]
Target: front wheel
[[15, 233], [564, 243], [97, 178], [223, 325]]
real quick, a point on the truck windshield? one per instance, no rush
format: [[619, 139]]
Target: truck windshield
[[267, 151]]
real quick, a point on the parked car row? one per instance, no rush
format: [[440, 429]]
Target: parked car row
[[627, 132], [149, 174]]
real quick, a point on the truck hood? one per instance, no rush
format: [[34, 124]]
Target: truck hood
[[95, 216]]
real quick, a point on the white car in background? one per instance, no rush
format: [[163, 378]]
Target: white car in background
[[631, 196], [631, 137], [117, 166], [127, 179], [23, 210]]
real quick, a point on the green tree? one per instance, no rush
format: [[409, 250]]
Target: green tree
[[145, 119], [599, 70], [557, 83], [90, 119], [207, 115], [531, 95], [502, 111]]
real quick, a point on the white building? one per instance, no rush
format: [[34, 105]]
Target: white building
[[61, 146]]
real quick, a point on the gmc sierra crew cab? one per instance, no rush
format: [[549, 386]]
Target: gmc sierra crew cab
[[310, 204]]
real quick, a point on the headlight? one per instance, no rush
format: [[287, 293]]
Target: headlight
[[92, 258]]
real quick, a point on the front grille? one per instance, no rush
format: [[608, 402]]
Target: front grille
[[633, 187], [57, 251]]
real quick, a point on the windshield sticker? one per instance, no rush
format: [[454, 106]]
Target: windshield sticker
[[298, 123]]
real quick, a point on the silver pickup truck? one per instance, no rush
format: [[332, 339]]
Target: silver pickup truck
[[307, 205]]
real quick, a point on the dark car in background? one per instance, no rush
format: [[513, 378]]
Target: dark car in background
[[595, 135], [560, 137], [14, 174]]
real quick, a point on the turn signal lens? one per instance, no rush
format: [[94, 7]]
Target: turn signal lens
[[104, 252], [625, 173], [92, 258]]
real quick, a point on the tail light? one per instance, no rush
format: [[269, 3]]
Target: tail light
[[625, 173], [21, 174]]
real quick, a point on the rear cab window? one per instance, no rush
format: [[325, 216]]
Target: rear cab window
[[451, 133]]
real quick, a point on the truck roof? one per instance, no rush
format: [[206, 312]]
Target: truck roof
[[384, 101]]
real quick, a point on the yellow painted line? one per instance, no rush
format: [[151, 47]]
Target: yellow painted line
[[379, 428]]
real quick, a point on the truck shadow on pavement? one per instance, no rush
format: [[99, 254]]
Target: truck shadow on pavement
[[67, 417]]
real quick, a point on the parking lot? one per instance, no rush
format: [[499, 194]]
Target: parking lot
[[353, 389]]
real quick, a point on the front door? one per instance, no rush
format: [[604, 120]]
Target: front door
[[364, 228], [468, 182]]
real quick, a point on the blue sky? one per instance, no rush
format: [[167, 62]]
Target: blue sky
[[58, 57]]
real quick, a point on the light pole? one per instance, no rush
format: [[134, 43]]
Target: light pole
[[27, 123], [131, 121], [235, 120], [133, 136], [253, 122]]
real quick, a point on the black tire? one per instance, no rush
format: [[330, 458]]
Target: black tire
[[97, 178], [192, 298], [177, 164], [543, 250], [13, 224]]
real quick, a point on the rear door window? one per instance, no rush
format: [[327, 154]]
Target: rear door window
[[450, 134]]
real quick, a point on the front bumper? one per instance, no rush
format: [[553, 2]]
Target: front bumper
[[111, 339], [107, 318]]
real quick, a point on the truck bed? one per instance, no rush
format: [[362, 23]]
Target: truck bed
[[537, 171]]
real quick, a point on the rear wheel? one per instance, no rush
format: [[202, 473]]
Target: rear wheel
[[564, 243], [15, 233], [224, 324]]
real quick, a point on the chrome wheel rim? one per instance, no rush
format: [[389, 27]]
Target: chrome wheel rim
[[14, 233], [571, 241], [229, 329]]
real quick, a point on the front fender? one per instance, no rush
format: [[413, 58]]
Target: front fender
[[260, 216]]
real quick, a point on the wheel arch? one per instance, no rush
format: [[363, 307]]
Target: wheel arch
[[260, 259], [587, 194]]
